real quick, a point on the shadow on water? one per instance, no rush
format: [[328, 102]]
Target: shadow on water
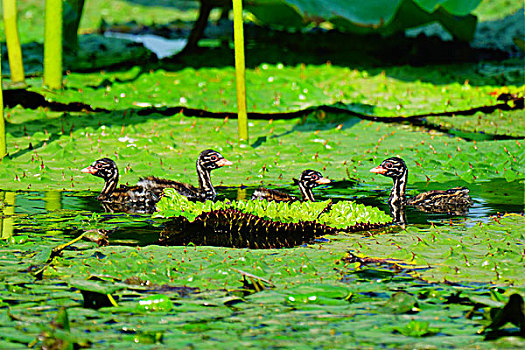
[[71, 213]]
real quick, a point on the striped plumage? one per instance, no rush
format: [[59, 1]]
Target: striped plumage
[[455, 200], [308, 180]]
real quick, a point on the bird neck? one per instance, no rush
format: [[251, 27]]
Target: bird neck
[[397, 195], [306, 193], [205, 187], [109, 186]]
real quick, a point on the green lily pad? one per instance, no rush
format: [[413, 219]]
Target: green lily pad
[[417, 329]]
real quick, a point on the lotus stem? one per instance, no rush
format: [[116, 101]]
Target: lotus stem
[[13, 41], [53, 44], [3, 148], [240, 74]]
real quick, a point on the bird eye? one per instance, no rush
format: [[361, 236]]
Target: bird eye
[[315, 177], [98, 165], [388, 165], [214, 158]]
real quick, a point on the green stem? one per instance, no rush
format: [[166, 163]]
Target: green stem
[[13, 41], [242, 115], [3, 148], [53, 44]]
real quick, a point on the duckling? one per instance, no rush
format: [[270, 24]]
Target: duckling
[[135, 199], [454, 201], [207, 161]]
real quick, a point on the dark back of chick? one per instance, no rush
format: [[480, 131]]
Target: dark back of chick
[[272, 195], [453, 201]]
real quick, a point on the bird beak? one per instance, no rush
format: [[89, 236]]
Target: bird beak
[[378, 170], [89, 170], [323, 181], [223, 162]]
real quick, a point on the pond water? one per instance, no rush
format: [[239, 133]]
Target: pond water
[[70, 213]]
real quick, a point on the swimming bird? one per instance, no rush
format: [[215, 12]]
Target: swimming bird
[[136, 199], [454, 201], [207, 161]]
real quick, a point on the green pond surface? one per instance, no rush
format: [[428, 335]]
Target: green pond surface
[[73, 276], [339, 291], [433, 283]]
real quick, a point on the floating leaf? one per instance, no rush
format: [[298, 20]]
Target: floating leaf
[[417, 329], [401, 302]]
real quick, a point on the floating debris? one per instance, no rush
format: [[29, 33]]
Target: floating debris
[[261, 224]]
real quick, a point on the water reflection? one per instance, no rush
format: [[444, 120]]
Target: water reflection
[[6, 221], [230, 228], [398, 213], [241, 193], [52, 200]]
